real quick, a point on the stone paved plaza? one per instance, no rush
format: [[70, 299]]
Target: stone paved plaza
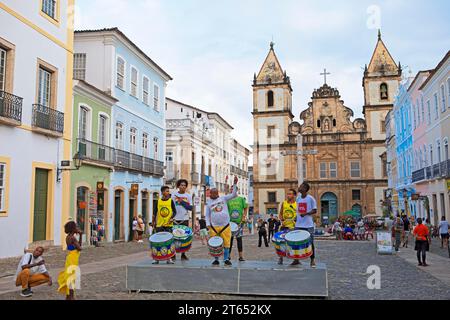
[[103, 272]]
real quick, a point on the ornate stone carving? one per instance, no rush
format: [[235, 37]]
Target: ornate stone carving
[[326, 92]]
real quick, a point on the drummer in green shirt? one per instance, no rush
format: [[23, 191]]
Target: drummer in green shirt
[[238, 208]]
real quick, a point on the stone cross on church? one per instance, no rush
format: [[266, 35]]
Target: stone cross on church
[[324, 74]]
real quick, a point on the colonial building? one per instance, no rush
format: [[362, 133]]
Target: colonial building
[[110, 61], [343, 159], [432, 177], [36, 54], [93, 146], [199, 148]]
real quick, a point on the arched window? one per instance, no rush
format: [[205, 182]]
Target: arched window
[[334, 122], [270, 99], [446, 150], [384, 94], [318, 123]]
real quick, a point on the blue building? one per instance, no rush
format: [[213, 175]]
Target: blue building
[[404, 147], [112, 62]]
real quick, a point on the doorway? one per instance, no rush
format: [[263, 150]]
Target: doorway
[[118, 195], [132, 214], [328, 208], [82, 209], [40, 205]]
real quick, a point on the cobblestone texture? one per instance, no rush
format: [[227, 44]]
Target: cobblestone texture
[[347, 263]]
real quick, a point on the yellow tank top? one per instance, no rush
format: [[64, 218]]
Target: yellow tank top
[[164, 213], [289, 213]]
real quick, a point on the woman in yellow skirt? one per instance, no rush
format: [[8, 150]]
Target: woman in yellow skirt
[[68, 279]]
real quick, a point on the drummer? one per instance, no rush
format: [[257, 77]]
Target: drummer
[[183, 204], [163, 214], [306, 208], [288, 212], [218, 219], [238, 208]]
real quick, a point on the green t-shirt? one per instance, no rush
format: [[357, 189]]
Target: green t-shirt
[[236, 209]]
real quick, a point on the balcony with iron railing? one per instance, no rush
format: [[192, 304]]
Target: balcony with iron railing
[[95, 152], [10, 109], [47, 121], [418, 175], [436, 170], [124, 160]]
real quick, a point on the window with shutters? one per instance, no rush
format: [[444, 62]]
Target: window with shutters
[[120, 82], [79, 66], [333, 170], [2, 69], [49, 7], [2, 187], [355, 169], [145, 144], [134, 82], [156, 97], [119, 136], [145, 90], [133, 133]]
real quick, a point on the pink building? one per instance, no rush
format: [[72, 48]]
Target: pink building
[[420, 124]]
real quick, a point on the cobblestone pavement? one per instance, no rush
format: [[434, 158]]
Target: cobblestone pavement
[[347, 264]]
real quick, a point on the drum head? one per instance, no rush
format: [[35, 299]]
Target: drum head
[[161, 237], [215, 242], [234, 227], [279, 236], [297, 235]]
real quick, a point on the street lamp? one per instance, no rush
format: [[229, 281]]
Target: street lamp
[[77, 160]]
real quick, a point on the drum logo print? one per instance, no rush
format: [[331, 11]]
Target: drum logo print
[[164, 212], [235, 214], [218, 208]]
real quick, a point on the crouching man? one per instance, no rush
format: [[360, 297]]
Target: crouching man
[[31, 272]]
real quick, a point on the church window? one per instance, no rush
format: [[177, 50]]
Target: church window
[[270, 99], [334, 122], [384, 95], [323, 170], [355, 169], [272, 197], [318, 123], [270, 131], [383, 126], [333, 170], [356, 195]]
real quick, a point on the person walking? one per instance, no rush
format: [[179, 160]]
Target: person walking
[[422, 235], [397, 230], [262, 233], [140, 228], [406, 230], [271, 222], [443, 231], [203, 231]]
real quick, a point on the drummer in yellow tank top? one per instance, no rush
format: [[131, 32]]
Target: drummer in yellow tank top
[[288, 214], [288, 211], [164, 212]]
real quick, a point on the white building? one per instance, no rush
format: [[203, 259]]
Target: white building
[[199, 148], [36, 57]]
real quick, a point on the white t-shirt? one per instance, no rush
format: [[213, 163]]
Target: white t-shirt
[[28, 258], [305, 205], [181, 214], [443, 227]]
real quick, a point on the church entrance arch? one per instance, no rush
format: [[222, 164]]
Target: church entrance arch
[[329, 208]]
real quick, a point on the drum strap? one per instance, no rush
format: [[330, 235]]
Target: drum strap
[[219, 233]]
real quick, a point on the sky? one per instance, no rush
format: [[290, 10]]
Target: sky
[[212, 48]]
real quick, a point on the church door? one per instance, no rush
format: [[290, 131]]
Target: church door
[[329, 208]]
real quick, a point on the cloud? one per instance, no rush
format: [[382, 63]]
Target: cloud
[[212, 48]]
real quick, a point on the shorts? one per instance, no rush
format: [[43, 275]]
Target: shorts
[[164, 229], [203, 232], [225, 235], [444, 235]]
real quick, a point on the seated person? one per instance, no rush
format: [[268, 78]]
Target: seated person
[[348, 233], [31, 272]]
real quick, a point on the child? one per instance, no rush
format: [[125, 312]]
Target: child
[[288, 211], [67, 278], [163, 215], [218, 220]]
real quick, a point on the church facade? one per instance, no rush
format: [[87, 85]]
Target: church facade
[[343, 159]]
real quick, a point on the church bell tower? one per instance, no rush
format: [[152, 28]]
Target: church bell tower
[[272, 115]]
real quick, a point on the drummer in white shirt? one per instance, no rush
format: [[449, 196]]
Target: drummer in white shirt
[[218, 219], [306, 208]]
